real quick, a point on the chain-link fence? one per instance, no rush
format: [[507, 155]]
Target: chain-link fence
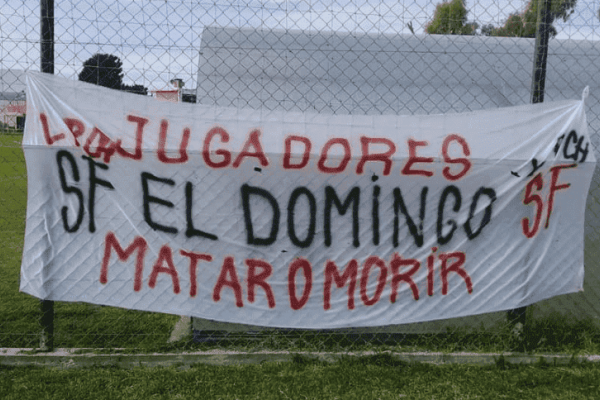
[[331, 56]]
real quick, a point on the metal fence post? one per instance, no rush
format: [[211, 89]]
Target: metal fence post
[[47, 66], [538, 84], [540, 57]]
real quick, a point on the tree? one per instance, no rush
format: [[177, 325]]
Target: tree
[[450, 18], [104, 70], [524, 24], [486, 30], [107, 70]]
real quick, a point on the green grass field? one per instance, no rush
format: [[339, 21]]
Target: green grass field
[[76, 324], [79, 325], [376, 377]]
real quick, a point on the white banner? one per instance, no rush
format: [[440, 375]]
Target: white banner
[[300, 220]]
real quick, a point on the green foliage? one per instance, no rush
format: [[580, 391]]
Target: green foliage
[[519, 25], [524, 24], [450, 18], [104, 70], [107, 70]]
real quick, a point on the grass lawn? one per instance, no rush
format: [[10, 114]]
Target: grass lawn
[[76, 324], [18, 312], [376, 377]]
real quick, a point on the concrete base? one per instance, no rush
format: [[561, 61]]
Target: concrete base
[[78, 358]]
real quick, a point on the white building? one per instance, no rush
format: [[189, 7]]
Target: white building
[[12, 98]]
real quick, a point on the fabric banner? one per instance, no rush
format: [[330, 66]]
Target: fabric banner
[[300, 220]]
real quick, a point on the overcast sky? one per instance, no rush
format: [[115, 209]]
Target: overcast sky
[[158, 40]]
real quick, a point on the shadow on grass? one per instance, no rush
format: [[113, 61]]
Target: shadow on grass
[[552, 334]]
